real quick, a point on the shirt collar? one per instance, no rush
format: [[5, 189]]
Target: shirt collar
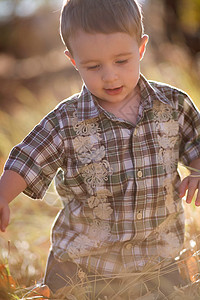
[[149, 93], [88, 106]]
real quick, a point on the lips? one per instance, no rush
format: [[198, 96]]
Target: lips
[[114, 91]]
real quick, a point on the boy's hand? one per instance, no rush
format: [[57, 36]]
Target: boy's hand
[[4, 214], [190, 183], [11, 185]]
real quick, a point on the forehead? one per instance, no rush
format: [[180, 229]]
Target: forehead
[[85, 44]]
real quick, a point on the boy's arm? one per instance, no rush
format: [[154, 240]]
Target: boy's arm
[[11, 185], [191, 183]]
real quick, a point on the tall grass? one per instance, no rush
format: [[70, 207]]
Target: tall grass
[[25, 244]]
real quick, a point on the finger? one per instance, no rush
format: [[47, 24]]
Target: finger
[[192, 186], [5, 217], [183, 187], [197, 201]]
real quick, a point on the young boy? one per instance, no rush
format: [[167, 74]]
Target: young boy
[[114, 149]]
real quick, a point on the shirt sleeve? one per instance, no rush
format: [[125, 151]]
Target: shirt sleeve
[[38, 157], [190, 138]]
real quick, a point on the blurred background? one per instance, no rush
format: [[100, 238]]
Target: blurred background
[[35, 76]]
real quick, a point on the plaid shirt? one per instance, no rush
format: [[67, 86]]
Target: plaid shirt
[[118, 182]]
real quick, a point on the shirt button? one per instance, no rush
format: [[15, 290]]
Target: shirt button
[[139, 174], [139, 215], [128, 246]]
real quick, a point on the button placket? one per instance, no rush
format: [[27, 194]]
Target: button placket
[[139, 215], [138, 151], [128, 246], [139, 174]]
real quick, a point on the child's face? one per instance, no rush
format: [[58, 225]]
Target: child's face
[[109, 64]]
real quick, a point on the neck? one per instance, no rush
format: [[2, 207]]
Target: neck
[[127, 109]]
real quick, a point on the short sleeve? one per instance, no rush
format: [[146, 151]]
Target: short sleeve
[[38, 157], [190, 132]]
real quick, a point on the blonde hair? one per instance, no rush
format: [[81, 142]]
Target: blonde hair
[[102, 16]]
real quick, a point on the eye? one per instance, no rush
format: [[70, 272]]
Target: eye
[[93, 67], [122, 61]]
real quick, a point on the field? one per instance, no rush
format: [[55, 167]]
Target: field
[[24, 246]]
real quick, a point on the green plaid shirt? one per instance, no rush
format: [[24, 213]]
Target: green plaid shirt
[[118, 182]]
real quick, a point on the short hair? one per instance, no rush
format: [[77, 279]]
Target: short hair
[[100, 16]]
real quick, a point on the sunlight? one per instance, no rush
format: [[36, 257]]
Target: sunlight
[[24, 8]]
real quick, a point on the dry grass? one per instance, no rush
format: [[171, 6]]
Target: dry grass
[[24, 247], [128, 286]]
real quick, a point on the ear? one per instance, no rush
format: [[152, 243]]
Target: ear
[[70, 57], [143, 44]]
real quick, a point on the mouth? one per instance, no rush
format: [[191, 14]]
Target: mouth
[[114, 91]]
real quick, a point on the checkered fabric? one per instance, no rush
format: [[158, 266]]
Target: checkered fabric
[[118, 182]]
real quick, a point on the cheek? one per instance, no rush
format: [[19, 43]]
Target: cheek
[[90, 79], [133, 70]]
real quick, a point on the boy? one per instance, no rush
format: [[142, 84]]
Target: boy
[[115, 148]]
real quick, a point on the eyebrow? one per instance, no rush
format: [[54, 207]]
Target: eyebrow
[[84, 62], [124, 54]]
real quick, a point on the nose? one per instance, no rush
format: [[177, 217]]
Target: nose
[[109, 74]]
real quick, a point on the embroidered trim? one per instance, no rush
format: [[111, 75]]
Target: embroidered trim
[[83, 145], [162, 113], [95, 172], [168, 241], [99, 231], [168, 130], [84, 128], [99, 204]]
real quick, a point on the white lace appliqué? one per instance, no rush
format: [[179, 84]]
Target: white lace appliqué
[[99, 231], [85, 128], [168, 241], [101, 208], [94, 172], [168, 128]]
